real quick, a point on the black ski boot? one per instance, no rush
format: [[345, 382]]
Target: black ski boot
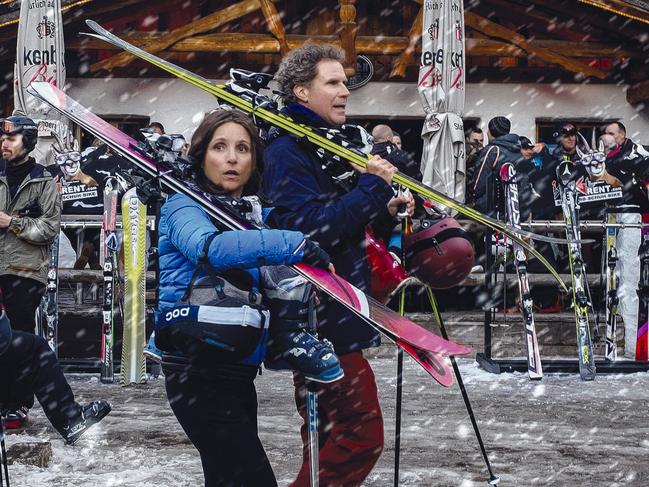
[[293, 344], [89, 415]]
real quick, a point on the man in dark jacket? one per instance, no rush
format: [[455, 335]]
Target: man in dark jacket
[[503, 147], [334, 213], [384, 147]]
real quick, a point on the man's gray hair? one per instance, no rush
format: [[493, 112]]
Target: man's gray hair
[[299, 67]]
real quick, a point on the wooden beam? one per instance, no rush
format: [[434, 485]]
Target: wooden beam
[[348, 34], [489, 28], [638, 93], [204, 24], [618, 7], [405, 58], [370, 45], [275, 24]]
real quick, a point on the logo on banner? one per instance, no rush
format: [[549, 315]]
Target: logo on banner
[[433, 30], [45, 28]]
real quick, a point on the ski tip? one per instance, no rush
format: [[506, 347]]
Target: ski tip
[[493, 480]]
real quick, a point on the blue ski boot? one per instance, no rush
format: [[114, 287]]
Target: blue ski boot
[[293, 344]]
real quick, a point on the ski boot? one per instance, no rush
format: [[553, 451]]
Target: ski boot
[[17, 418], [89, 415], [293, 344]]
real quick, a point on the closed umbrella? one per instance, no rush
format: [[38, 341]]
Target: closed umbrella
[[441, 87], [40, 57]]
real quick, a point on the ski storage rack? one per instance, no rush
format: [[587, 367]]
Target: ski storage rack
[[550, 365]]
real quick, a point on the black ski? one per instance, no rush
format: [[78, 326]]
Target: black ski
[[534, 368], [577, 270]]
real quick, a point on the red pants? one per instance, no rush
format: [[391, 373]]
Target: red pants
[[350, 425]]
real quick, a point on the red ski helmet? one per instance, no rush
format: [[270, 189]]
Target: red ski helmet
[[439, 253]]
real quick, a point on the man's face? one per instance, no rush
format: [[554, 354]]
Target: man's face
[[527, 153], [327, 93], [476, 139], [12, 147], [613, 130], [568, 142]]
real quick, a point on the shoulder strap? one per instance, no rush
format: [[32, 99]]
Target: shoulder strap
[[484, 160], [204, 261]]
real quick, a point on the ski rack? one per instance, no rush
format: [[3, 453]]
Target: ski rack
[[550, 365]]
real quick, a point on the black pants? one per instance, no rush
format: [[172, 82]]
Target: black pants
[[219, 415], [30, 367], [22, 297]]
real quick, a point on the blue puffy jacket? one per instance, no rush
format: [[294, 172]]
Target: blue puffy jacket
[[306, 199], [183, 229]]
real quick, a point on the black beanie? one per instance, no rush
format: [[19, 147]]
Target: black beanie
[[499, 126]]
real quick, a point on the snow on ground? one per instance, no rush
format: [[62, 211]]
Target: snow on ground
[[560, 432]]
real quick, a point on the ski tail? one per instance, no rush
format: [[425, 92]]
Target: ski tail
[[133, 340], [248, 101]]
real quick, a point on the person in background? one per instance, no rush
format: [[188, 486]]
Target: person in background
[[396, 139], [627, 162], [30, 215], [157, 128], [473, 142], [387, 149]]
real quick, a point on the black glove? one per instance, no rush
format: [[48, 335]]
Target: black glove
[[314, 255]]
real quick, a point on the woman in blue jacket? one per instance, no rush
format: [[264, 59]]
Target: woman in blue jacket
[[210, 391]]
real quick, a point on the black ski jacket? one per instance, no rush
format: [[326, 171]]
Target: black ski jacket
[[308, 200], [401, 159], [489, 194]]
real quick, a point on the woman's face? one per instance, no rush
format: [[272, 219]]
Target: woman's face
[[228, 160]]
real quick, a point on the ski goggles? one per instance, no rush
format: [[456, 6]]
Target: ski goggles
[[7, 127], [594, 158], [68, 157]]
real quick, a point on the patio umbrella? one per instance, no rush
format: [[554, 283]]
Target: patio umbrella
[[441, 87]]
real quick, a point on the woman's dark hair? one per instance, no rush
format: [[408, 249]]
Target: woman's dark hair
[[201, 140]]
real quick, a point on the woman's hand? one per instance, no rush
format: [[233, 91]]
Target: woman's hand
[[314, 255]]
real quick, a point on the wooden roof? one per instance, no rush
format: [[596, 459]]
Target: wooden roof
[[506, 40]]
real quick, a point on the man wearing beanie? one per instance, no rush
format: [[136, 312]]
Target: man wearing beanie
[[503, 147]]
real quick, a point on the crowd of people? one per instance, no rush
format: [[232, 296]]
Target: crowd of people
[[614, 160], [255, 314]]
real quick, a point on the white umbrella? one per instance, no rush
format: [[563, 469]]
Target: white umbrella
[[40, 57], [441, 87]]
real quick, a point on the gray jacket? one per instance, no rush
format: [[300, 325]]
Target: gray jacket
[[36, 217]]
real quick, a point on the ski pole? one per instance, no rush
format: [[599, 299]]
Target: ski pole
[[3, 454], [493, 480], [405, 229], [397, 424], [312, 418]]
